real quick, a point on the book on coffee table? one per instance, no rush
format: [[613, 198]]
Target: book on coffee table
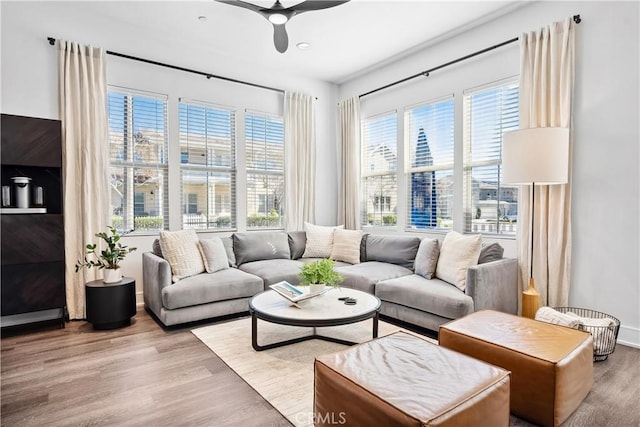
[[294, 293]]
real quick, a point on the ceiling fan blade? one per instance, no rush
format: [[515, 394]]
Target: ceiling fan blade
[[245, 5], [310, 5], [280, 38]]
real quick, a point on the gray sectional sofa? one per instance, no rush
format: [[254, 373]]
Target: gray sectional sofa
[[260, 259]]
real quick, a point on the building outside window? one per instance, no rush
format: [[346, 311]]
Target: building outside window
[[138, 159], [208, 165], [264, 142], [489, 205], [430, 142], [379, 163]]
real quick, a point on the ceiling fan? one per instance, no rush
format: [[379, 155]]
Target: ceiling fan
[[279, 15]]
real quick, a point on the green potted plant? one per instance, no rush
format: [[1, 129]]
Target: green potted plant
[[319, 274], [108, 259]]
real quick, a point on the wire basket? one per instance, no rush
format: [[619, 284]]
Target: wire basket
[[604, 337]]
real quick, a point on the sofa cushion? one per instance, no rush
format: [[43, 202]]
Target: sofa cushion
[[228, 247], [491, 252], [457, 254], [274, 270], [260, 246], [394, 249], [213, 254], [222, 285], [433, 296], [180, 249], [297, 243], [427, 257], [346, 246], [364, 276], [156, 249], [319, 240]]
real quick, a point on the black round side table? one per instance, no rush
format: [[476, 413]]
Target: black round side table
[[110, 305]]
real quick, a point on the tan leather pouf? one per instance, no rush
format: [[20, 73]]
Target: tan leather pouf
[[402, 380], [551, 366]]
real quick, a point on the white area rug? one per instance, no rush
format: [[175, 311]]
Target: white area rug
[[284, 375]]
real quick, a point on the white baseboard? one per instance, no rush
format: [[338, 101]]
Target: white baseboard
[[629, 336], [139, 299]]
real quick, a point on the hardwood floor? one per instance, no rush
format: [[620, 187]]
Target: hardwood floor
[[143, 375], [139, 375]]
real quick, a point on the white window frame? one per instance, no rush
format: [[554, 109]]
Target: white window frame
[[368, 172], [443, 225], [500, 226], [269, 222], [129, 164], [211, 221]]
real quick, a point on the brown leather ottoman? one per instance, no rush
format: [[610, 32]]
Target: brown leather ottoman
[[551, 366], [402, 380]]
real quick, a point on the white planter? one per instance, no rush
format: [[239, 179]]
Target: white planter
[[315, 288], [112, 275]]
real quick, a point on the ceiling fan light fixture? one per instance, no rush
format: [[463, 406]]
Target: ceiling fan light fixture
[[303, 45], [278, 18]]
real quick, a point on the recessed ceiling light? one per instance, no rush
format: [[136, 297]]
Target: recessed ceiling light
[[202, 18], [303, 45]]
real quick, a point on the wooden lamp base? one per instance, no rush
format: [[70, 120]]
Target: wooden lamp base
[[530, 301]]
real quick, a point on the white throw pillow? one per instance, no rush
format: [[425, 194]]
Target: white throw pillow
[[214, 254], [180, 249], [346, 246], [319, 240], [457, 254]]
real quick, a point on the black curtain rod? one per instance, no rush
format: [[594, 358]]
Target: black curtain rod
[[52, 42], [576, 19]]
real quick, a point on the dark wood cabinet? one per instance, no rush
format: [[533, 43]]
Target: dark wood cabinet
[[32, 244]]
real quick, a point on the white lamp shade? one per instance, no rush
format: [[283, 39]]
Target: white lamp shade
[[536, 156]]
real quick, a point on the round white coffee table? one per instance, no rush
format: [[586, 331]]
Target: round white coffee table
[[320, 311]]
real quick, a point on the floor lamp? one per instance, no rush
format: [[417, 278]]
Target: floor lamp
[[537, 156]]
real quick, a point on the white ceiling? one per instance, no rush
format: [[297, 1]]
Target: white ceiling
[[345, 40]]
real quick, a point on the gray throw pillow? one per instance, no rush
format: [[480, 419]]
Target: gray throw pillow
[[259, 246], [427, 257], [156, 249], [399, 250], [297, 243], [228, 247], [492, 252], [214, 254]]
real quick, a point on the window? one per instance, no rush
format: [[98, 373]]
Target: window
[[208, 165], [489, 205], [192, 204], [379, 185], [264, 136], [138, 160], [430, 141], [138, 205]]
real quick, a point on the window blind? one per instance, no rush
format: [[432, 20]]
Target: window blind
[[208, 165], [430, 142], [378, 170], [138, 159], [264, 147], [489, 205]]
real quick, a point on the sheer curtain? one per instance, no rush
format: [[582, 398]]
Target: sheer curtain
[[349, 164], [546, 91], [300, 154], [83, 99]]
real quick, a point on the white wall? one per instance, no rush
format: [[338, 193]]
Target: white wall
[[606, 208], [606, 182], [30, 73]]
